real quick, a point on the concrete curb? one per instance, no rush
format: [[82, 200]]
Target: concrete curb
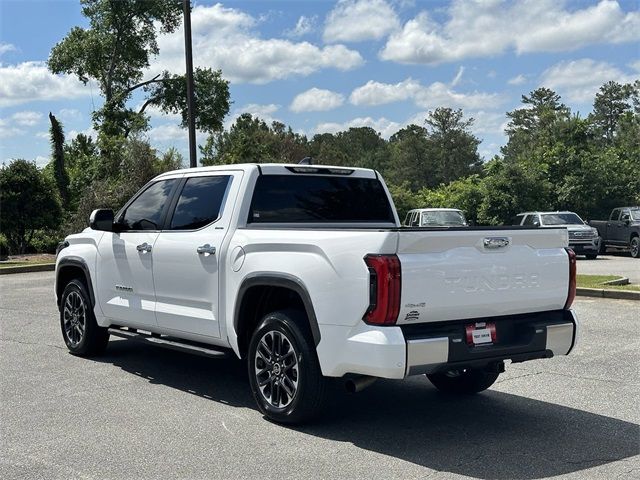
[[42, 267], [603, 293]]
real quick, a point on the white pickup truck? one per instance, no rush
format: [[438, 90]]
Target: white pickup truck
[[305, 272]]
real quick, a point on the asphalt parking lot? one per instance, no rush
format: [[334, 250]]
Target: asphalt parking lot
[[612, 264], [142, 413]]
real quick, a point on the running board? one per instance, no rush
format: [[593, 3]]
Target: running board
[[171, 343]]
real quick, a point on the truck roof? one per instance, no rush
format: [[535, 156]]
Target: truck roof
[[435, 210], [277, 168]]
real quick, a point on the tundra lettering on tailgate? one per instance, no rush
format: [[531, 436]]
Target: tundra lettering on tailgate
[[482, 283]]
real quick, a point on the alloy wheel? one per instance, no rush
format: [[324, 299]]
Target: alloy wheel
[[74, 318], [276, 369]]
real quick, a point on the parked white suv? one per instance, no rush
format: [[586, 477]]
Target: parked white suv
[[583, 239], [435, 217], [305, 272]]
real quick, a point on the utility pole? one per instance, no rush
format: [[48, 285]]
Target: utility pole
[[191, 120]]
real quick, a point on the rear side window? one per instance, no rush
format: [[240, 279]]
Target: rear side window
[[317, 199], [200, 202], [531, 219], [145, 212]]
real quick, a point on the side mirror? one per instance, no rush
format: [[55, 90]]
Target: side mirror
[[536, 223], [627, 222], [101, 219]]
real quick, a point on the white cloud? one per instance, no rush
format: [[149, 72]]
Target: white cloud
[[316, 100], [357, 20], [88, 132], [69, 114], [41, 161], [167, 133], [26, 118], [31, 81], [376, 93], [8, 129], [435, 95], [491, 27], [258, 110], [224, 38], [579, 80], [458, 77], [263, 112], [384, 126], [304, 25], [517, 80], [6, 48], [635, 65]]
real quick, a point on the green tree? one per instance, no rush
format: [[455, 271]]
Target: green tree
[[115, 51], [411, 160], [59, 169], [612, 102], [250, 139], [453, 148], [29, 202], [511, 188], [465, 193], [139, 163], [530, 125]]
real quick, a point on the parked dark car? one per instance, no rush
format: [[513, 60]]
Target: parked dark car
[[621, 231]]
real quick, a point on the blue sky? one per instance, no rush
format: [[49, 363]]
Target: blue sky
[[323, 66]]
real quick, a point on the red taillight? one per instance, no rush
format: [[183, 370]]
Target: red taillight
[[384, 289], [571, 295]]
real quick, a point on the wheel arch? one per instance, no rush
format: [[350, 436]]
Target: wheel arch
[[259, 293], [71, 267]]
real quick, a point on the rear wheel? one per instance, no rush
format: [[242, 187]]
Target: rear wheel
[[284, 372], [82, 335], [635, 247], [465, 381]]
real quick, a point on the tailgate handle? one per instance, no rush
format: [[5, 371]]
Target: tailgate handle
[[496, 242]]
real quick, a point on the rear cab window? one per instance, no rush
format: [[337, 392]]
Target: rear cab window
[[302, 199]]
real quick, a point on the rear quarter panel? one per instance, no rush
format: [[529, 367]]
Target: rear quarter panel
[[328, 263]]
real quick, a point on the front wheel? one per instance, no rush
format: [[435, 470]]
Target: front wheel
[[635, 247], [81, 333], [465, 381], [284, 372], [591, 256], [602, 248]]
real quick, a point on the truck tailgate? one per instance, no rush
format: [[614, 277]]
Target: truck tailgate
[[478, 273]]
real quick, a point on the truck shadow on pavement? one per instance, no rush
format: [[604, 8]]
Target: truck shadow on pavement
[[492, 435]]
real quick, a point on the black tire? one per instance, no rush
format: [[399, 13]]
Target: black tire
[[463, 381], [82, 335], [635, 247], [602, 248], [271, 386], [591, 256]]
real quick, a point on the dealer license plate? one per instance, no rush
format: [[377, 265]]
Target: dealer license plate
[[481, 333]]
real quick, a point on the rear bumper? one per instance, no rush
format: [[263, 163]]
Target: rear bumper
[[520, 338], [397, 352]]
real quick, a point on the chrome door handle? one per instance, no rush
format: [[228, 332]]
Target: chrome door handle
[[206, 248], [145, 247]]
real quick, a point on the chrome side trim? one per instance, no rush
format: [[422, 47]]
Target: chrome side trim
[[424, 355], [560, 338]]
